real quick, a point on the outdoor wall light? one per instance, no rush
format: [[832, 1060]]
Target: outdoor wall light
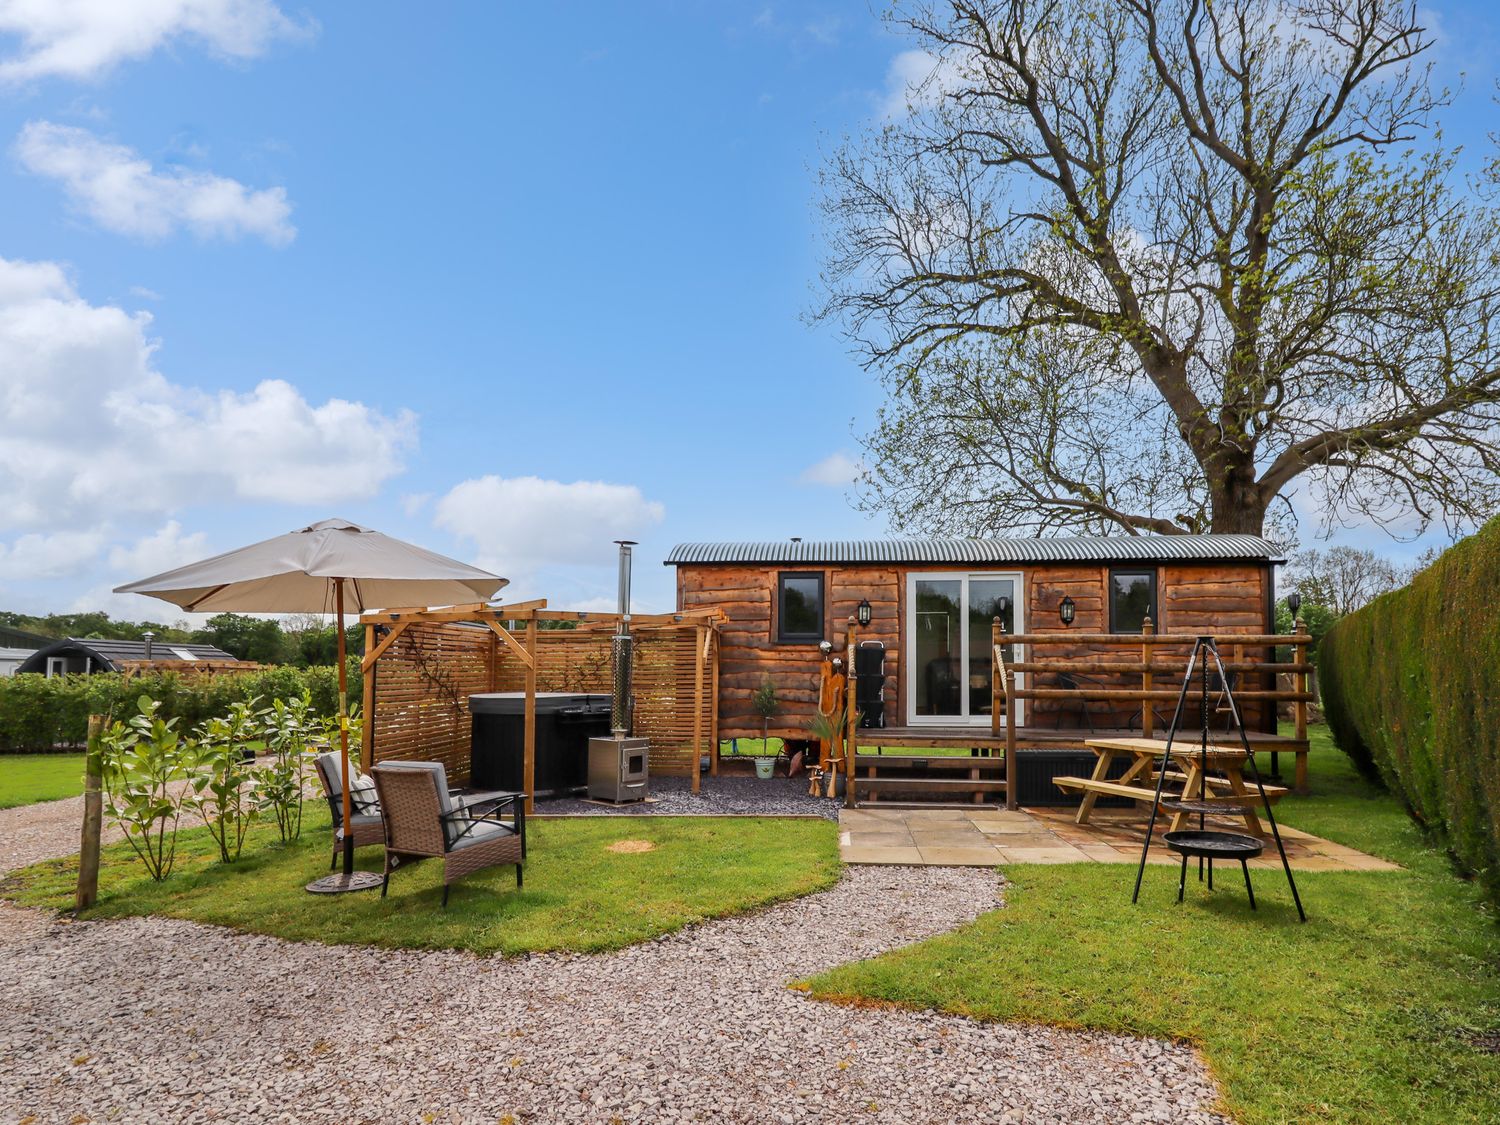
[[825, 647], [863, 612], [1294, 602], [1066, 609]]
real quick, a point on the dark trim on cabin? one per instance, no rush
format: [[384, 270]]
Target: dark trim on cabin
[[781, 636]]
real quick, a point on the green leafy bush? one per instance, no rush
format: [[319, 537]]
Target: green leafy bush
[[143, 764], [220, 777], [41, 713], [285, 728], [1410, 691]]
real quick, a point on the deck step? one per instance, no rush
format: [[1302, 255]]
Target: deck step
[[930, 785], [932, 762]]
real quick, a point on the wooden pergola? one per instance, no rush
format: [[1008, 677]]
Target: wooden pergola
[[444, 663]]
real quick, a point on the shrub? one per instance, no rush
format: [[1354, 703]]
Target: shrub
[[1409, 690], [221, 773], [143, 762], [41, 713], [285, 726]]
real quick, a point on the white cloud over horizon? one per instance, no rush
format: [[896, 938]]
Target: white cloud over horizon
[[837, 470], [97, 441], [119, 191], [86, 39], [522, 525]]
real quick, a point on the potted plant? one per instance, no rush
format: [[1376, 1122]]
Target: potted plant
[[766, 705]]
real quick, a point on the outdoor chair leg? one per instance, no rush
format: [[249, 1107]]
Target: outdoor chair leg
[[1182, 879], [1210, 873], [518, 876], [445, 896], [1249, 890]]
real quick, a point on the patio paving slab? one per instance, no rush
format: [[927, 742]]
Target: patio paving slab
[[959, 837]]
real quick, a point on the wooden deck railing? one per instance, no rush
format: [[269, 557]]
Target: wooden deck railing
[[1007, 686]]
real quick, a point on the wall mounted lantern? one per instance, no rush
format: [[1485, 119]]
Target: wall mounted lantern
[[863, 612], [1066, 609], [1294, 603]]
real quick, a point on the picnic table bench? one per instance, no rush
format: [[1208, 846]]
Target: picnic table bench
[[1138, 782]]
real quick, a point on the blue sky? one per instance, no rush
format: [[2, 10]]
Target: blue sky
[[508, 280]]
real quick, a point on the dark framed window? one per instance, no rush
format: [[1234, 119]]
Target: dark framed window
[[1132, 597], [799, 607]]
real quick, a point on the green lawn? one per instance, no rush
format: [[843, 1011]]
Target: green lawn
[[1364, 1014], [578, 895], [26, 779]]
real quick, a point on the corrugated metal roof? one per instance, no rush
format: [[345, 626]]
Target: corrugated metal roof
[[111, 652], [1068, 548]]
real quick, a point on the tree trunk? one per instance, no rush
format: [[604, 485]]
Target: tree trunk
[[1237, 505]]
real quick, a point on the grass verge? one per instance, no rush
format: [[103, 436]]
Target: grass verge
[[1367, 1013], [26, 779], [578, 895]]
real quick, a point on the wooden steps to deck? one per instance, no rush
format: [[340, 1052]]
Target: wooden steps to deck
[[948, 779]]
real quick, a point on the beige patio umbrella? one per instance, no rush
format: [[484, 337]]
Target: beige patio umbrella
[[324, 568]]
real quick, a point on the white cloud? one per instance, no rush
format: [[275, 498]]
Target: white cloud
[[94, 434], [837, 470], [522, 524], [164, 549], [144, 293], [913, 80], [84, 39], [119, 190], [49, 556]]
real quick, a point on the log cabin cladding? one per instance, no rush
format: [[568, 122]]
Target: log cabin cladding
[[1193, 595]]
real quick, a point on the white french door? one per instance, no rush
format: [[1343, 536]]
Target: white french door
[[949, 662]]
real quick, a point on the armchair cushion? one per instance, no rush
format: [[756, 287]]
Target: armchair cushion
[[481, 832], [440, 776]]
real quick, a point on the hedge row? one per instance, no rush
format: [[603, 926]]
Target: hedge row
[[1411, 690], [41, 713]]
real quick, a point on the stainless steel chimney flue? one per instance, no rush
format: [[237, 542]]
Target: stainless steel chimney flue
[[622, 650]]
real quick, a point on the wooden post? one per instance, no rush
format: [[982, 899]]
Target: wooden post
[[1148, 714], [1299, 706], [700, 655], [1011, 771], [713, 714], [93, 817], [529, 768], [996, 671], [850, 717], [367, 727]]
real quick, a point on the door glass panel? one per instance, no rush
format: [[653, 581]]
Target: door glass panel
[[986, 598], [937, 628]]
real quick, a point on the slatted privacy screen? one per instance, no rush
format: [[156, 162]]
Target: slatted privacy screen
[[424, 680]]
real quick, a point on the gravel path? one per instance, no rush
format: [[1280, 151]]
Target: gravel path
[[146, 1020], [32, 833], [729, 795]]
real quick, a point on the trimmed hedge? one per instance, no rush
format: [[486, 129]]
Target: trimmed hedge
[[38, 713], [1411, 690]]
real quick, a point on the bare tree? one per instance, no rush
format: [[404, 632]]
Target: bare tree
[[1154, 264], [1342, 579]]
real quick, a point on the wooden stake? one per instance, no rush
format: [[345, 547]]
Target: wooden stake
[[93, 817], [367, 706], [1299, 708], [1008, 680]]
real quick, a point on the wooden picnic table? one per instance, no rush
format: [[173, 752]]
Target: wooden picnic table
[[1138, 782]]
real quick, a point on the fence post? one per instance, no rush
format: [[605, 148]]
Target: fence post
[[850, 717], [1299, 707], [700, 656], [528, 745], [1148, 713], [1009, 683], [93, 817], [996, 670]]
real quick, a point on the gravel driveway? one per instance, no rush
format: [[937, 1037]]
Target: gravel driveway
[[150, 1020]]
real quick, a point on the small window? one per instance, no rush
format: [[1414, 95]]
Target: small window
[[1132, 597], [799, 607]]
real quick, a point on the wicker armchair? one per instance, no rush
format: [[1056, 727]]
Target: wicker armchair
[[423, 822], [364, 819]]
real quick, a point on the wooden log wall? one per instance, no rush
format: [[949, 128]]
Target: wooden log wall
[[423, 682], [1203, 597]]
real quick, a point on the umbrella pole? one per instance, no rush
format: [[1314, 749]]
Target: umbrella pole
[[338, 603]]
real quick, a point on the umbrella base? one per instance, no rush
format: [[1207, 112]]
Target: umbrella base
[[341, 883]]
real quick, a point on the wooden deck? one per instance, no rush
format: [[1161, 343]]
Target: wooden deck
[[889, 766]]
